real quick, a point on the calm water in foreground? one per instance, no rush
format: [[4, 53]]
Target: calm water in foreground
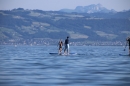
[[33, 66]]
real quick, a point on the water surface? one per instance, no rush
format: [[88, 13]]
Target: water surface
[[33, 66]]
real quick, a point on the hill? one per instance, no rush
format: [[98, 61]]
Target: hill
[[18, 25]]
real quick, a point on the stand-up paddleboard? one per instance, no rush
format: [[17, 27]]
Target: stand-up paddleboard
[[63, 54], [124, 55]]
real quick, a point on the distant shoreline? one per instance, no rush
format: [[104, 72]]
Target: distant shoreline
[[116, 43]]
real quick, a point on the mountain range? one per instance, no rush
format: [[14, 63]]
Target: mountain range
[[89, 9]]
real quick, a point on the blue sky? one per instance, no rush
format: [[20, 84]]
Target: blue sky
[[54, 5]]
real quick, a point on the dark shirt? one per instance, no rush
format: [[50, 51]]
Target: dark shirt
[[128, 41], [60, 44], [67, 41]]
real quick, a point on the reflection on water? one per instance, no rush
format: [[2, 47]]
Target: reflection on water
[[32, 65]]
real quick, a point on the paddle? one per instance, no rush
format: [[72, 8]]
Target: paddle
[[125, 46]]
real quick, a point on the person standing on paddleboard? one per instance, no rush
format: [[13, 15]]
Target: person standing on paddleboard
[[60, 46], [128, 41], [67, 45]]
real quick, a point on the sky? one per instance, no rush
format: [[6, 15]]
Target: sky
[[55, 5]]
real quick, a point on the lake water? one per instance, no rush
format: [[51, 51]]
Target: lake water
[[33, 66]]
